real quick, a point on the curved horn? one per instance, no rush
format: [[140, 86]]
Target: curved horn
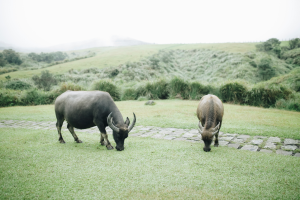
[[216, 129], [200, 129], [110, 124], [133, 123]]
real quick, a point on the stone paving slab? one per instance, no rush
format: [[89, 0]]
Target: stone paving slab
[[232, 140], [234, 145], [285, 153], [290, 141], [265, 151], [250, 147]]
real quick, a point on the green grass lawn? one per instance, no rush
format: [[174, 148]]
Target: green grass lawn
[[182, 114], [114, 56], [35, 166]]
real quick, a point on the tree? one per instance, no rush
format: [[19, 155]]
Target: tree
[[269, 45], [294, 43], [12, 57], [2, 60], [45, 81], [265, 70]]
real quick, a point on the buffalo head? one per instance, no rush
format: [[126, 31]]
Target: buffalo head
[[207, 135], [120, 130]]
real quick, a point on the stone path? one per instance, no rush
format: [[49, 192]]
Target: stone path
[[287, 147]]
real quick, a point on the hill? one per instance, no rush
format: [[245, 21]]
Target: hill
[[114, 56]]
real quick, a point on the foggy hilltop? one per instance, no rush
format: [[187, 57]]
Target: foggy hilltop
[[97, 42]]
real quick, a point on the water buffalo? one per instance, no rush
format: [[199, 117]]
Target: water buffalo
[[85, 109], [210, 113]]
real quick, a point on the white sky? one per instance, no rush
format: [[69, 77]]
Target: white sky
[[43, 23]]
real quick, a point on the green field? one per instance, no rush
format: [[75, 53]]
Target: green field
[[182, 114]]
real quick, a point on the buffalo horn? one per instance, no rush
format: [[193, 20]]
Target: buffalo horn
[[110, 124], [200, 127], [216, 129], [133, 123]]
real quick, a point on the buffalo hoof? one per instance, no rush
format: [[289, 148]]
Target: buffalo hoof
[[62, 141], [109, 147], [102, 143], [78, 141]]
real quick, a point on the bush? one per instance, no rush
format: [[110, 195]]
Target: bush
[[45, 81], [293, 43], [179, 87], [155, 90], [17, 85], [265, 70], [197, 90], [65, 87], [266, 95], [142, 99], [129, 94], [107, 86], [37, 97], [7, 70], [293, 103], [233, 92], [9, 97]]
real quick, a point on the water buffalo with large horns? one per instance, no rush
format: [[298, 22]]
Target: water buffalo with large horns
[[210, 113], [85, 109]]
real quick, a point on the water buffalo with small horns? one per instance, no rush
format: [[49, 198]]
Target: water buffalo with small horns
[[210, 113], [85, 109]]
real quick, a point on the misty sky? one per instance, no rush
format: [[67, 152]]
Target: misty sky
[[43, 23]]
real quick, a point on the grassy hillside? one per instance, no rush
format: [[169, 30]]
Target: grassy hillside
[[114, 56]]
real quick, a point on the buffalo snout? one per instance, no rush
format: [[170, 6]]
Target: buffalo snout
[[206, 149], [120, 148]]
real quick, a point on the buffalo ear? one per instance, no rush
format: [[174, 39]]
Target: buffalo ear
[[127, 122]]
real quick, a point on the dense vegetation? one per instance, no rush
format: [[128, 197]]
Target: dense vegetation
[[268, 77]]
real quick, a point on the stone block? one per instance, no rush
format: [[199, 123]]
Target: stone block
[[235, 140], [289, 147], [285, 153], [244, 137], [226, 138], [169, 137], [270, 146], [273, 139], [290, 141], [297, 155], [187, 135], [158, 136], [256, 142], [250, 148], [223, 143], [236, 146]]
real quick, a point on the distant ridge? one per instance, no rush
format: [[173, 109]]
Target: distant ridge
[[97, 42]]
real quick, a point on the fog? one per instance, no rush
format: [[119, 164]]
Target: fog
[[35, 23]]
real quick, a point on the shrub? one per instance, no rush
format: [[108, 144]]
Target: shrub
[[64, 87], [179, 87], [9, 97], [266, 95], [160, 89], [253, 63], [265, 70], [293, 43], [129, 94], [37, 97], [45, 81], [107, 86], [293, 103], [233, 92], [197, 90], [17, 85]]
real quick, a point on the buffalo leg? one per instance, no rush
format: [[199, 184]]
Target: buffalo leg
[[216, 140], [102, 140], [59, 124], [71, 129], [108, 145]]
